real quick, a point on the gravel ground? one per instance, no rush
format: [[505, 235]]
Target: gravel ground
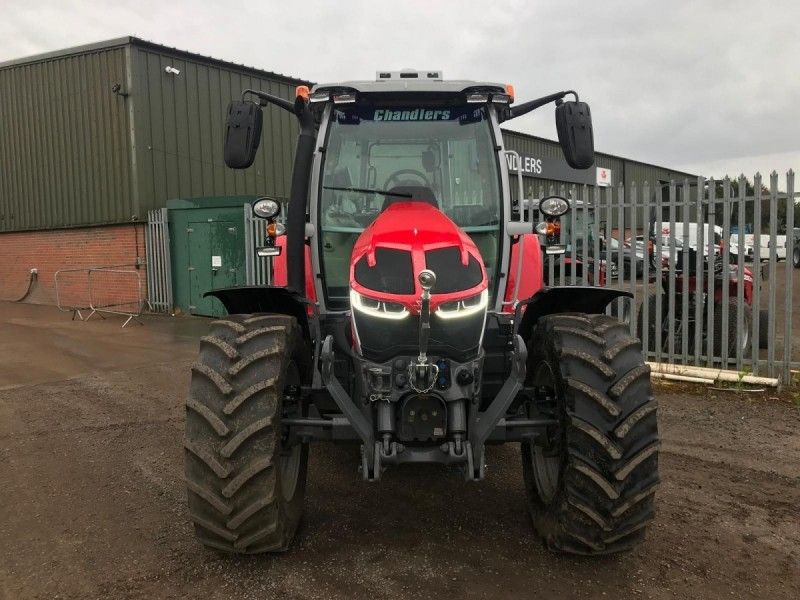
[[93, 503]]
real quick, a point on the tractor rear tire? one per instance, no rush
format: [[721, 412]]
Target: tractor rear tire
[[590, 485], [245, 490]]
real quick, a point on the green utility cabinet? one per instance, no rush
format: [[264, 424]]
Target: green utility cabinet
[[207, 246]]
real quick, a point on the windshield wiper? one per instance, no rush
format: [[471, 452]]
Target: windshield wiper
[[367, 191]]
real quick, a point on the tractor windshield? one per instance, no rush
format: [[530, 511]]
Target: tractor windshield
[[445, 153]]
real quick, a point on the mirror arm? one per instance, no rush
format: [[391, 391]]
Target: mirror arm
[[526, 107], [269, 98]]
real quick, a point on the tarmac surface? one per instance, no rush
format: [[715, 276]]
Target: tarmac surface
[[92, 500]]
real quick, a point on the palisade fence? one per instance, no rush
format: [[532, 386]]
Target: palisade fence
[[669, 245], [258, 269], [159, 270]]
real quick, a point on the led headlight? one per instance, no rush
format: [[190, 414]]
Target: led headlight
[[554, 206], [464, 308], [266, 208], [377, 308]]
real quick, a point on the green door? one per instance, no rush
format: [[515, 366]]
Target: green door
[[216, 260]]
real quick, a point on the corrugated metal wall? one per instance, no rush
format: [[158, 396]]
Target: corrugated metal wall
[[64, 143], [180, 122], [73, 153]]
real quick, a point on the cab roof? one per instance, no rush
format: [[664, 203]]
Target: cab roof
[[397, 84]]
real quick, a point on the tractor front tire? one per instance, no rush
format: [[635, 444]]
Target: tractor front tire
[[591, 481], [245, 489]]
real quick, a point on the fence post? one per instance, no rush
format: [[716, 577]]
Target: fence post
[[787, 322], [726, 271], [659, 268], [609, 196], [685, 273], [711, 260], [740, 305], [671, 284], [595, 234], [650, 290], [773, 260], [632, 302], [700, 271]]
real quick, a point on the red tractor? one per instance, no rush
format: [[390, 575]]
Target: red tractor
[[409, 317]]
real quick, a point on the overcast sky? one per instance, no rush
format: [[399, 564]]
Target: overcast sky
[[708, 87]]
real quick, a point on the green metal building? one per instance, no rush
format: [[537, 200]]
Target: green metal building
[[102, 133]]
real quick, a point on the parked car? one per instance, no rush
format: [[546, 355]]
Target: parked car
[[632, 258]]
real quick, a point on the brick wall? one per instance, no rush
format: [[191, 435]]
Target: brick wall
[[53, 250]]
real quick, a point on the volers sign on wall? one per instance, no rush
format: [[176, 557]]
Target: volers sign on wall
[[545, 167]]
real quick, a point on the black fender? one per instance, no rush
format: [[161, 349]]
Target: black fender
[[264, 299], [562, 299]]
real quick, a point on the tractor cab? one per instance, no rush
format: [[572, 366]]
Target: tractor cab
[[380, 151]]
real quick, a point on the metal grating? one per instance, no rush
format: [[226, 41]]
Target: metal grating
[[159, 270]]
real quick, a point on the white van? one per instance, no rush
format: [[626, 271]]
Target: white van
[[676, 232]]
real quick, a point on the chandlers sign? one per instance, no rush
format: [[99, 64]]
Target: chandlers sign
[[546, 167]]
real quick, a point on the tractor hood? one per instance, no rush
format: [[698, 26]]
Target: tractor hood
[[407, 237]]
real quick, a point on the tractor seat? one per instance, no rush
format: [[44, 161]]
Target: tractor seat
[[420, 193]]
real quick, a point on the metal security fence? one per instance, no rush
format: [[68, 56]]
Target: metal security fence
[[159, 270], [697, 299], [258, 270]]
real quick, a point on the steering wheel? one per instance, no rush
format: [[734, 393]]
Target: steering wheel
[[395, 178]]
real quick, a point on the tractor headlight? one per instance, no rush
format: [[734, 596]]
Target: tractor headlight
[[377, 308], [266, 208], [554, 206], [464, 308]]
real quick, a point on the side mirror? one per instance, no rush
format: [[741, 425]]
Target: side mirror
[[242, 133], [574, 126]]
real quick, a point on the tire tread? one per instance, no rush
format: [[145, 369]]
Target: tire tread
[[232, 443], [609, 475]]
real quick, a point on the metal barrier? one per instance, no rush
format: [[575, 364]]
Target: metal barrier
[[669, 244], [116, 305], [159, 268], [75, 308], [91, 288]]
